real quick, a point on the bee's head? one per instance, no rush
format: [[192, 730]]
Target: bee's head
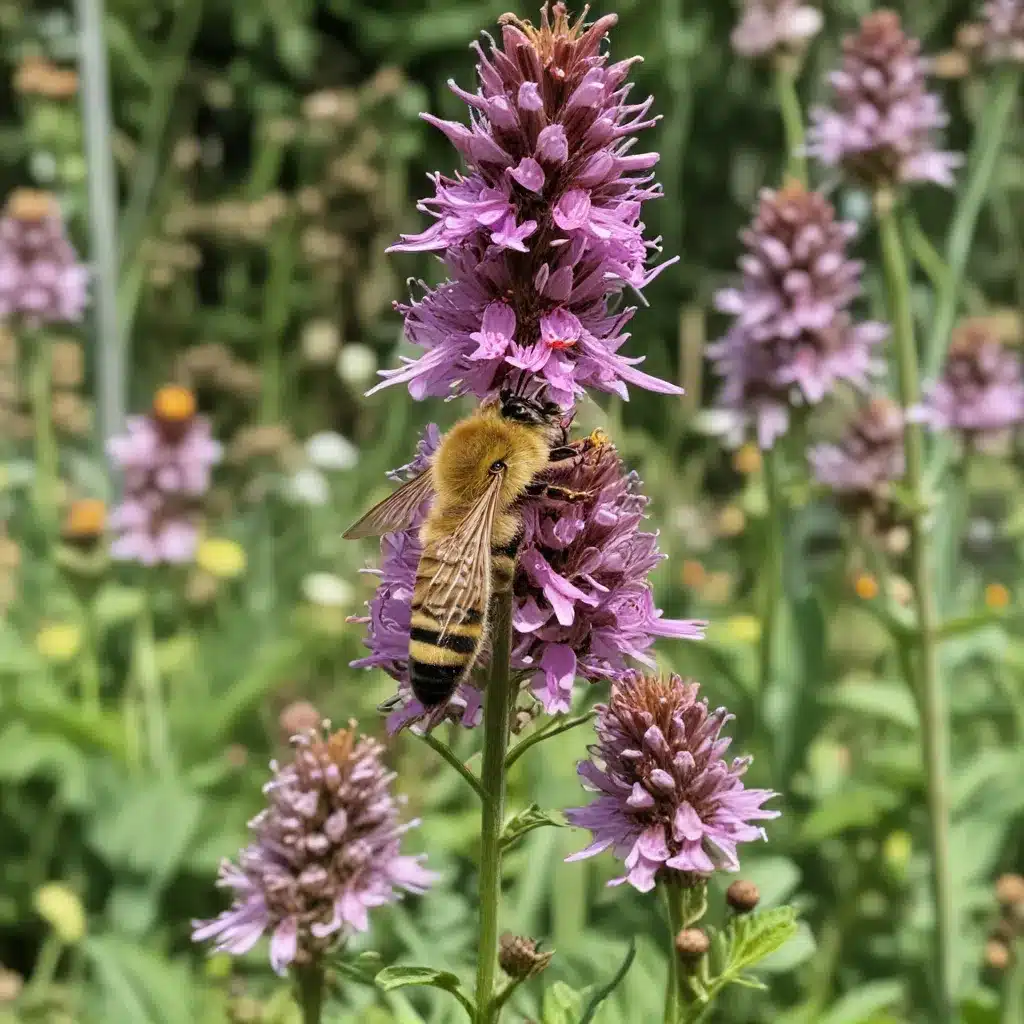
[[534, 411]]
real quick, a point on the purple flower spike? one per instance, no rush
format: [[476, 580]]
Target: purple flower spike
[[981, 391], [543, 230], [775, 26], [668, 803], [165, 459], [326, 851], [41, 280], [882, 125], [583, 605], [1004, 31], [868, 458], [793, 339]]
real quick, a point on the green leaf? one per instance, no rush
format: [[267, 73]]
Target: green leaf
[[525, 822], [857, 806], [862, 1004], [605, 991], [797, 950], [753, 937], [392, 978], [884, 701], [562, 1005]]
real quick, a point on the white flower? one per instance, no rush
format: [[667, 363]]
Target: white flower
[[320, 341], [357, 364], [331, 451], [327, 590], [309, 487]]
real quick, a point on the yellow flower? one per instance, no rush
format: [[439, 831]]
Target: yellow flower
[[744, 628], [59, 642], [997, 596], [897, 849], [62, 910], [221, 558], [866, 586]]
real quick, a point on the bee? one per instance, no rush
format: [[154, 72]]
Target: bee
[[484, 468]]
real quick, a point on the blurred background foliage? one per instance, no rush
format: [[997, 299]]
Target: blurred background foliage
[[267, 154]]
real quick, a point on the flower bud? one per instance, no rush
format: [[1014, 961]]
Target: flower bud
[[1010, 890], [519, 957], [742, 896], [691, 945], [62, 910]]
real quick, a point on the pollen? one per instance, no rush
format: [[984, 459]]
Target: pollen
[[85, 520], [997, 596], [866, 586], [174, 404]]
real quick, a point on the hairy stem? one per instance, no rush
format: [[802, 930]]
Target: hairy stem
[[497, 713], [309, 986], [931, 693], [771, 583], [999, 103], [786, 70]]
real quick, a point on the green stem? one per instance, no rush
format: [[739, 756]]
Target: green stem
[[99, 137], [45, 970], [453, 759], [562, 725], [674, 915], [999, 102], [309, 985], [90, 676], [932, 695], [1012, 1009], [497, 713], [786, 71], [45, 489], [771, 583]]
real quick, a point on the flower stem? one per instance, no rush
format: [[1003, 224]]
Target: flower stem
[[148, 678], [99, 136], [999, 102], [931, 693], [685, 905], [45, 489], [1012, 1009], [772, 582], [309, 985], [497, 712], [786, 70]]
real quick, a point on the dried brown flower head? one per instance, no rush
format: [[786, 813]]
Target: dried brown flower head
[[519, 957]]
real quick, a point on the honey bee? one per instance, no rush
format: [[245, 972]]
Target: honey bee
[[485, 466]]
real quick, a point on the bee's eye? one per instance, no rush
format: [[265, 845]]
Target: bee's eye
[[498, 466]]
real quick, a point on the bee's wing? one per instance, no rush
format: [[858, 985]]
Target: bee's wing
[[463, 577], [395, 512]]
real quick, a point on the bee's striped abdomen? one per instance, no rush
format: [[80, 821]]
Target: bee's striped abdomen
[[503, 564], [437, 664]]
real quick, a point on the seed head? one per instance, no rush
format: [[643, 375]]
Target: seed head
[[692, 944], [520, 958]]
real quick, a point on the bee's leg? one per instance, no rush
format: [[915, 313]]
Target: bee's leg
[[542, 489]]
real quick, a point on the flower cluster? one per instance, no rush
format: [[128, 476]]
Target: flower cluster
[[1004, 30], [326, 850], [544, 227], [583, 602], [869, 456], [793, 339], [41, 280], [668, 801], [165, 459], [981, 391], [775, 26], [882, 125]]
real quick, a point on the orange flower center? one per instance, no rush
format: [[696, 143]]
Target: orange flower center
[[85, 519], [174, 404], [30, 205]]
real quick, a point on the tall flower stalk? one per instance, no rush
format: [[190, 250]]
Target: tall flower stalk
[[931, 690]]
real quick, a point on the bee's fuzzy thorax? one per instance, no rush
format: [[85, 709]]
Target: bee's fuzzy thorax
[[462, 466]]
